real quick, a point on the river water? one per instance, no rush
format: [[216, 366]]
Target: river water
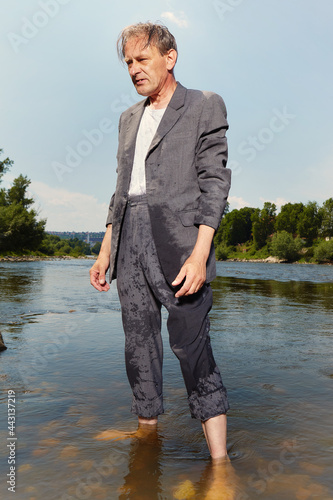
[[272, 333]]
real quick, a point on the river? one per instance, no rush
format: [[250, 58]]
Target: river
[[272, 333]]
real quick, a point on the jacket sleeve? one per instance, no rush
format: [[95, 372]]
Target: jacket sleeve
[[211, 159], [110, 211]]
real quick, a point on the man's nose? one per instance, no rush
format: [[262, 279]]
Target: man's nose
[[134, 69]]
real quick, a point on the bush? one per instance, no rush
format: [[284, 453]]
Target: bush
[[96, 248], [324, 251], [285, 247], [221, 252]]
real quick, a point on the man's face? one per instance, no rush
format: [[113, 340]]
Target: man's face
[[148, 69]]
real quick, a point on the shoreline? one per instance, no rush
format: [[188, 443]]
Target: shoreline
[[275, 260], [36, 258]]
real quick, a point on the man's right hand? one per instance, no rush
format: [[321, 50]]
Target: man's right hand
[[98, 270], [97, 274]]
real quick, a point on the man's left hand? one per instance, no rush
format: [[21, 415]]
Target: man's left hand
[[194, 268], [194, 273]]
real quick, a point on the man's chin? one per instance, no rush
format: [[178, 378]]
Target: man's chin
[[142, 90]]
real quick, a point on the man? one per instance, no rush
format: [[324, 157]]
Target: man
[[171, 191]]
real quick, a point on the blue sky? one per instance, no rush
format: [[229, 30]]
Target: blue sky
[[62, 90]]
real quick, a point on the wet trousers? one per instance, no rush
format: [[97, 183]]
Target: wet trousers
[[142, 290]]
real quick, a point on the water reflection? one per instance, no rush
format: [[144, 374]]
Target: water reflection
[[18, 286], [144, 467], [146, 462], [219, 481], [272, 334], [17, 282], [298, 292]]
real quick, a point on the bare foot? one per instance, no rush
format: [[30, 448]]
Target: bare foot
[[185, 490], [223, 481], [143, 430], [115, 435]]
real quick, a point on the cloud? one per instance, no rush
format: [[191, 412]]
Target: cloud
[[237, 202], [278, 202], [180, 20], [68, 211]]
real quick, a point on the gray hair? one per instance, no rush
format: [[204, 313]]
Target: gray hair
[[155, 34]]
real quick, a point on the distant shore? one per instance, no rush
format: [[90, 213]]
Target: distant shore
[[275, 260], [34, 258]]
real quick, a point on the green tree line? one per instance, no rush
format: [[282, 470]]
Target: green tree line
[[298, 232], [20, 230]]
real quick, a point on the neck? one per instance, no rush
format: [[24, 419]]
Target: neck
[[162, 98]]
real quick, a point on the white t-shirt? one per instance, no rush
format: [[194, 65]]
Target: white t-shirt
[[148, 126]]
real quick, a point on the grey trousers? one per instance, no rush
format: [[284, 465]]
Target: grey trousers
[[142, 291]]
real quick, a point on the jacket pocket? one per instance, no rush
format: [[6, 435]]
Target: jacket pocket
[[187, 217]]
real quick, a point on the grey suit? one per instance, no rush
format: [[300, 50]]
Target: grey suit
[[187, 184], [186, 179]]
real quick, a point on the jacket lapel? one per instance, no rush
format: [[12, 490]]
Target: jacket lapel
[[171, 115], [132, 129], [170, 118]]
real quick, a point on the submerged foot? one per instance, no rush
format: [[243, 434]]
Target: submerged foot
[[223, 482], [115, 435], [142, 431]]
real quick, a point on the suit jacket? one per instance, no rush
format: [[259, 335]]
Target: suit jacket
[[187, 182]]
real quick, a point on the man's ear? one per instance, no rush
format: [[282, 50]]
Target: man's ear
[[171, 58]]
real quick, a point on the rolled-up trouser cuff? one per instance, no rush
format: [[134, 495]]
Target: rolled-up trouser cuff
[[147, 409], [208, 406]]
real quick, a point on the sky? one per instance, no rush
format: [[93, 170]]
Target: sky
[[62, 90]]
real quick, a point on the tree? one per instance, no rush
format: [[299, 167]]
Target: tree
[[227, 207], [19, 228], [17, 193], [238, 227], [263, 224], [326, 212], [222, 252], [288, 217], [324, 251], [309, 222], [4, 165], [285, 247], [96, 248]]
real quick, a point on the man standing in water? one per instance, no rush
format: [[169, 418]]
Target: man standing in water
[[171, 192]]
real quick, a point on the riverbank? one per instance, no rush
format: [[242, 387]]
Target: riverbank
[[280, 250], [275, 260], [269, 260], [36, 258]]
